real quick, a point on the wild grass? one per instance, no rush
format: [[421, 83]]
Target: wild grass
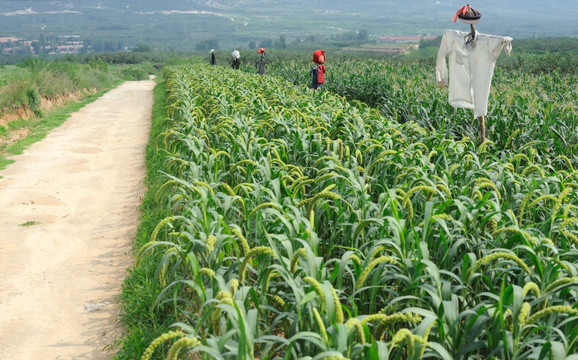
[[30, 223], [141, 323], [39, 128], [26, 85]]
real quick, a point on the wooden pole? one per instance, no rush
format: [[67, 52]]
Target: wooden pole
[[483, 128], [482, 118]]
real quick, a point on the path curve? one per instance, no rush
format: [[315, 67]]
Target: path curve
[[68, 215]]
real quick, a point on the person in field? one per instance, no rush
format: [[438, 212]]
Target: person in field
[[318, 70], [261, 63], [236, 59], [213, 57]]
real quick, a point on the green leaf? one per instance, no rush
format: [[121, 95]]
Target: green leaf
[[440, 351]]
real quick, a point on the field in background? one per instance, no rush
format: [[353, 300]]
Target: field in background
[[383, 49], [524, 107]]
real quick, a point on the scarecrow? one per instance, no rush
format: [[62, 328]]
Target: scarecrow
[[213, 57], [318, 70], [472, 57], [261, 63], [236, 59]]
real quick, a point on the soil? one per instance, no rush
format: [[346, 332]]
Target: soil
[[69, 208]]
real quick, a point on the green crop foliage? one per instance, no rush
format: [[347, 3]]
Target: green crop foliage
[[305, 225], [523, 107]]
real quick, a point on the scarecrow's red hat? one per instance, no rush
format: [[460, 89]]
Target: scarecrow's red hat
[[261, 50], [468, 15]]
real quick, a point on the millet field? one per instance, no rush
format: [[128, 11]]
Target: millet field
[[361, 221]]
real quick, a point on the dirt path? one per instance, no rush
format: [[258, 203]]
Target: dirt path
[[68, 214]]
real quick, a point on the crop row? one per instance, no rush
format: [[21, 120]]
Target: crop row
[[306, 226], [523, 107]]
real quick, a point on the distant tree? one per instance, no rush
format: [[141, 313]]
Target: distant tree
[[106, 46], [266, 43], [350, 35], [69, 58], [435, 42], [23, 50], [37, 47], [363, 34], [142, 48], [207, 44], [281, 43], [252, 45]]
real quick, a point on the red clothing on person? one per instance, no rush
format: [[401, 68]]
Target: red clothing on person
[[320, 74], [319, 60]]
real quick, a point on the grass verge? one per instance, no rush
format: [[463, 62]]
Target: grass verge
[[39, 127], [143, 321]]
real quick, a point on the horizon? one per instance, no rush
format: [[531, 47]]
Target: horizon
[[184, 23]]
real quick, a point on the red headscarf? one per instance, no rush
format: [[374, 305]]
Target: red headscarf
[[463, 10], [261, 50], [319, 59]]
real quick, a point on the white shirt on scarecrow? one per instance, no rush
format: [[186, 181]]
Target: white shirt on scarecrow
[[471, 67]]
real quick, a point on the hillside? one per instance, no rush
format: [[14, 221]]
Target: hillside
[[182, 24]]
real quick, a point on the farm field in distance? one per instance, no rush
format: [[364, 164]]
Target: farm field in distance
[[384, 49], [363, 221]]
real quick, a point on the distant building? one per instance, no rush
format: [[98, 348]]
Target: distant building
[[69, 49], [12, 45], [69, 44], [403, 39], [4, 40]]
